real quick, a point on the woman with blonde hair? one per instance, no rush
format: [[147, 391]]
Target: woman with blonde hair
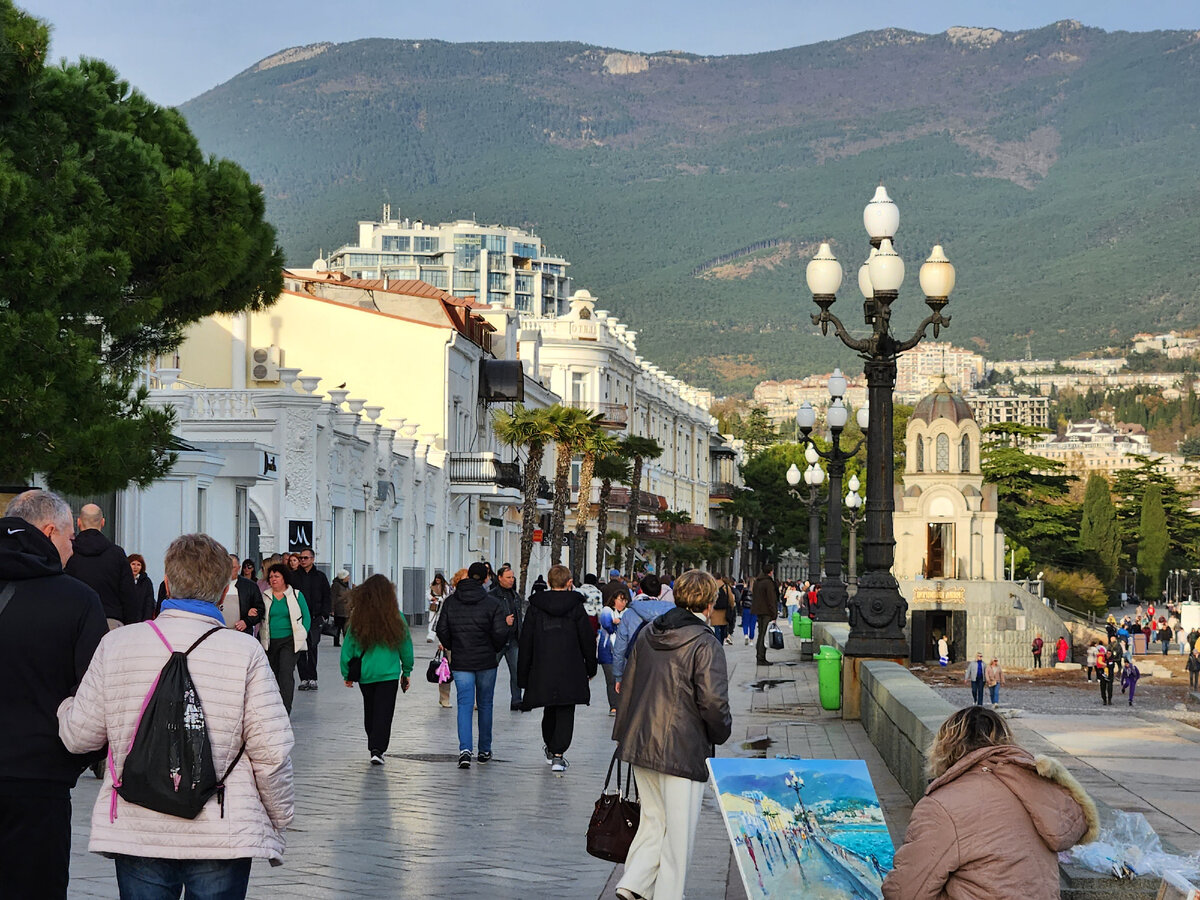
[[993, 820], [379, 638], [674, 708]]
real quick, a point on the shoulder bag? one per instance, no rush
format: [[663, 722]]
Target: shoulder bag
[[616, 816]]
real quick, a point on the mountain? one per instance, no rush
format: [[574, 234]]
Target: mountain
[[1057, 166]]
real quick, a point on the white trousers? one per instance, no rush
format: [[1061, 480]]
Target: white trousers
[[658, 858]]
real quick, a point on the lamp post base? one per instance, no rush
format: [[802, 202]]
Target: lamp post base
[[831, 602], [877, 615]]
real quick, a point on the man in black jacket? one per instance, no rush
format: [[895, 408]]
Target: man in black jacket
[[505, 590], [102, 566], [312, 583], [50, 625], [557, 658], [473, 627]]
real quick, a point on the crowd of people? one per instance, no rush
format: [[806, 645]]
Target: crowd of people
[[97, 655]]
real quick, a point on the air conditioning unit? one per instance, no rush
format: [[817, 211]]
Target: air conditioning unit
[[265, 363]]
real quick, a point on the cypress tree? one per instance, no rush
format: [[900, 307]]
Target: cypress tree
[[1153, 541], [1098, 533]]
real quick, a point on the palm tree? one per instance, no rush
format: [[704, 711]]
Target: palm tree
[[572, 427], [609, 468], [672, 519], [532, 429], [597, 444], [638, 449]]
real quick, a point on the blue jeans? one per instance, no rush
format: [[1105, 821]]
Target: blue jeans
[[977, 692], [509, 656], [475, 689], [150, 878], [748, 623]]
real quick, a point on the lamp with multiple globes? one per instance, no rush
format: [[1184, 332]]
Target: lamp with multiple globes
[[813, 476], [832, 597], [854, 511], [878, 611]]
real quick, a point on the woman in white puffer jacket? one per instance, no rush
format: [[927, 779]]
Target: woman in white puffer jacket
[[241, 704]]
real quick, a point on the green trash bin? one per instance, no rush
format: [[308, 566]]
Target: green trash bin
[[796, 623], [805, 630], [829, 677]]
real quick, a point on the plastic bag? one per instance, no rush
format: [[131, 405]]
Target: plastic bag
[[443, 671], [1128, 847]]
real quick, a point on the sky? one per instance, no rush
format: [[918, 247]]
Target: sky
[[173, 50]]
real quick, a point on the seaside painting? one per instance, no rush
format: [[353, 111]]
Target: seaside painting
[[807, 828]]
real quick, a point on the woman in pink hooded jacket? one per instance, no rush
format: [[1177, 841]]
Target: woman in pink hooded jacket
[[992, 821]]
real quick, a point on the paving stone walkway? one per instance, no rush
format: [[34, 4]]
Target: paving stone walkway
[[420, 827]]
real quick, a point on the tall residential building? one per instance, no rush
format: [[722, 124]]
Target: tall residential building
[[492, 263], [921, 370], [783, 399], [1022, 409]]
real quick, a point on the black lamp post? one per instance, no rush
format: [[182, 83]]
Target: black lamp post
[[878, 611], [854, 511], [831, 599], [813, 476]]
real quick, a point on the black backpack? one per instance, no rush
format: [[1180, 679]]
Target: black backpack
[[169, 766]]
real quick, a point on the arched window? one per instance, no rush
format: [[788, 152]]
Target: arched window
[[920, 453], [943, 453], [964, 455]]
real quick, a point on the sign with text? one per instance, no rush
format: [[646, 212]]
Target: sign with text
[[300, 535], [939, 595]]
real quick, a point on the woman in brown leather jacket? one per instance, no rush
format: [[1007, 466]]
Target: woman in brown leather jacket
[[674, 707], [992, 821]]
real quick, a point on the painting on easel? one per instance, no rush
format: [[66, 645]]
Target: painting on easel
[[808, 828]]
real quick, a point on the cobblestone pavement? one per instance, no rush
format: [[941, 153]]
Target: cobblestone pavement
[[421, 827]]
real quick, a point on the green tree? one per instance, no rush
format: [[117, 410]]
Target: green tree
[[531, 429], [572, 429], [596, 443], [672, 519], [1098, 531], [637, 449], [1034, 509], [782, 519], [117, 234], [1129, 489], [1153, 541], [609, 468], [756, 430]]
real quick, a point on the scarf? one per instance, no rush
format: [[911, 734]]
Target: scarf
[[199, 607]]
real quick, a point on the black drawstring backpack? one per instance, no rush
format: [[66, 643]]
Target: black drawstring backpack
[[169, 766]]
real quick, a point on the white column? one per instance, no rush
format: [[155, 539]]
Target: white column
[[237, 374]]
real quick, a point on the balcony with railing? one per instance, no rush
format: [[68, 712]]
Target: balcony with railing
[[483, 474], [612, 415], [688, 531], [721, 490]]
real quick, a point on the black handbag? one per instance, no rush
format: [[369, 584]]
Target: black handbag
[[775, 636], [615, 819], [431, 673]]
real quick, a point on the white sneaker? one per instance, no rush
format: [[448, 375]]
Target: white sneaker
[[376, 759], [558, 765], [747, 644]]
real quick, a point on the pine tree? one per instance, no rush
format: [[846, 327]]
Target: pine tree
[[1153, 541], [1098, 532]]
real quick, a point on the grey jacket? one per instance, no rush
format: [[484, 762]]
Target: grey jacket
[[674, 697]]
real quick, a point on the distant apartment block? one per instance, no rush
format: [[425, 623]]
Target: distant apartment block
[[922, 369], [492, 263], [1173, 344], [1108, 365], [782, 399], [1022, 409]]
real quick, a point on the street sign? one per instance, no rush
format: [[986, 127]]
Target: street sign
[[300, 535], [537, 535]]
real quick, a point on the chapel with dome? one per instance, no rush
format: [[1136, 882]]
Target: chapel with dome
[[949, 558]]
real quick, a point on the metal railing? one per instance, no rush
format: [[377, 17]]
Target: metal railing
[[616, 414], [721, 489], [482, 468]]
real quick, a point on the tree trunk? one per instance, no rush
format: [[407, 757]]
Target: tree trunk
[[602, 526], [562, 494], [635, 499], [533, 468], [583, 510]]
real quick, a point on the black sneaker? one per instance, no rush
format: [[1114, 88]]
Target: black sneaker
[[483, 756], [549, 755], [558, 765], [377, 759], [464, 759]]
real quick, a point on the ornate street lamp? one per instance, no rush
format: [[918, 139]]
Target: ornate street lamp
[[813, 476], [854, 511], [831, 600], [878, 611]]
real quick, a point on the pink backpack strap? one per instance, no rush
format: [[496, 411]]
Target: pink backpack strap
[[116, 783]]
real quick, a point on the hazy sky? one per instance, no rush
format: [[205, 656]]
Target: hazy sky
[[174, 50]]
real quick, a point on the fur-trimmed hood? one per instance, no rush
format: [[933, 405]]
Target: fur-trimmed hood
[[1062, 818]]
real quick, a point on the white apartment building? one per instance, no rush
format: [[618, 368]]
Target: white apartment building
[[920, 370], [783, 399], [270, 461], [492, 263], [1090, 445], [589, 357], [1022, 409]]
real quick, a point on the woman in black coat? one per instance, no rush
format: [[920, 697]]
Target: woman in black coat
[[143, 588], [555, 659]]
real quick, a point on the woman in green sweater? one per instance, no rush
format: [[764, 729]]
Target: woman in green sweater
[[378, 634]]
